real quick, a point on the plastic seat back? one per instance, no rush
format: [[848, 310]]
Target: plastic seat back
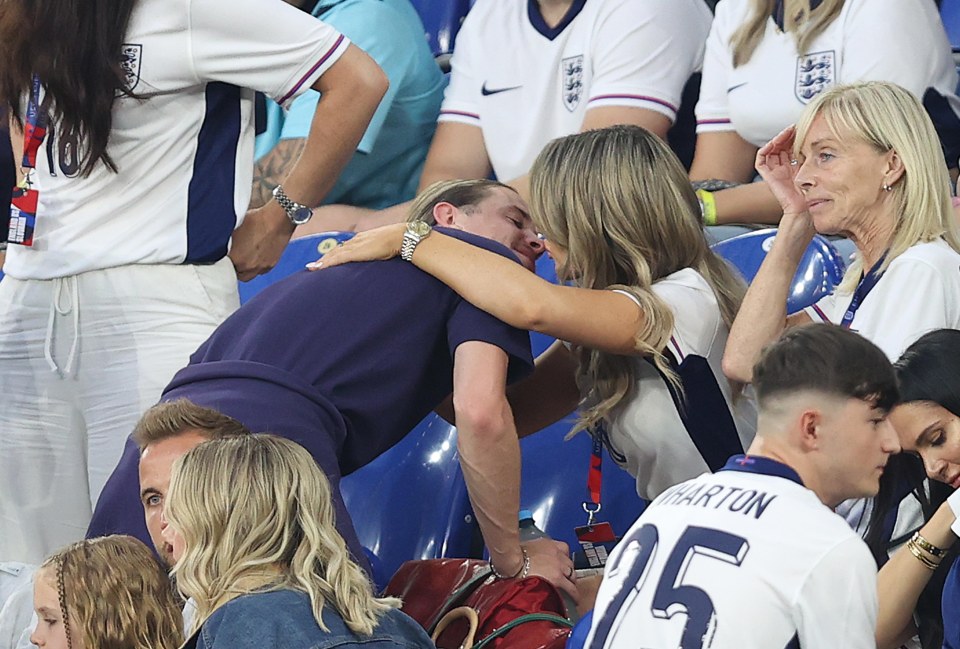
[[819, 272], [298, 253], [441, 20], [411, 502]]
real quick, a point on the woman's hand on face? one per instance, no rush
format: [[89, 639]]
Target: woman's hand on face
[[778, 168], [379, 243]]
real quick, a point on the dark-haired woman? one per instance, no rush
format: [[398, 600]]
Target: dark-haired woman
[[928, 425], [136, 152]]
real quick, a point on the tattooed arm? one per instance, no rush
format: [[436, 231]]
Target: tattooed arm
[[270, 170]]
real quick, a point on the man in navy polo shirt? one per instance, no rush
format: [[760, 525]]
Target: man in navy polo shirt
[[346, 362]]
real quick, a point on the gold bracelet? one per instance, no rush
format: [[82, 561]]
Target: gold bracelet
[[708, 207], [523, 571], [927, 545], [928, 563]]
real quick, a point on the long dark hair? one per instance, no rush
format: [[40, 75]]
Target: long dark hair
[[927, 371], [74, 48]]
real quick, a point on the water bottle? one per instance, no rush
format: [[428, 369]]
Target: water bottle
[[528, 532]]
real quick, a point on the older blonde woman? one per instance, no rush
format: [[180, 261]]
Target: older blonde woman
[[250, 521], [646, 318], [767, 59], [864, 161]]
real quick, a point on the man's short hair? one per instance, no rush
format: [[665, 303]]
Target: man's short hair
[[459, 193], [171, 418], [829, 359]]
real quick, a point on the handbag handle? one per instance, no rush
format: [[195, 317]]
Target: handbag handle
[[561, 622], [454, 615]]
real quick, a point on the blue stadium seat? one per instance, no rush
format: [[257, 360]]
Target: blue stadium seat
[[299, 252], [950, 14], [820, 270], [441, 19], [578, 636], [411, 502]]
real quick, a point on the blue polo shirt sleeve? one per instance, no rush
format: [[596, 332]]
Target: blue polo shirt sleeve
[[370, 27], [467, 322]]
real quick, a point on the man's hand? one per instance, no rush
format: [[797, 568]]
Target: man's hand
[[551, 560], [259, 242]]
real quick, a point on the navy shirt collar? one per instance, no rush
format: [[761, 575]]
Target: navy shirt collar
[[763, 466], [550, 33]]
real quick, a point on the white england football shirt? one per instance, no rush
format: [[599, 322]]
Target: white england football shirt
[[524, 83], [746, 558], [664, 438], [919, 292], [901, 41], [184, 146]]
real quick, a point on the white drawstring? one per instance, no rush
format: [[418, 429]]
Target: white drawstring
[[57, 309]]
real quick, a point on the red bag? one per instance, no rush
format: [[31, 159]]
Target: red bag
[[511, 613]]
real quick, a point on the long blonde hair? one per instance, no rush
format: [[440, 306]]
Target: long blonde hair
[[889, 118], [255, 514], [798, 19], [621, 204], [114, 595]]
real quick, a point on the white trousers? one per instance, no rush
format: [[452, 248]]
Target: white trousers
[[81, 358]]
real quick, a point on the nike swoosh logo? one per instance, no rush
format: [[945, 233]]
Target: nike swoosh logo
[[739, 85], [486, 92]]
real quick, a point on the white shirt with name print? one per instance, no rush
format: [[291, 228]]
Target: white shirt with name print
[[183, 146], [524, 83], [901, 41], [662, 437], [745, 558]]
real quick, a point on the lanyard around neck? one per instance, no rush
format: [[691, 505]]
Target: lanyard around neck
[[860, 294]]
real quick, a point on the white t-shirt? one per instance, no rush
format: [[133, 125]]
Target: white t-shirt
[[525, 84], [649, 436], [902, 41], [919, 292], [184, 148], [746, 558]]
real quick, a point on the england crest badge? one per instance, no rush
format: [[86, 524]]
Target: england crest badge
[[572, 81], [815, 72], [130, 63]]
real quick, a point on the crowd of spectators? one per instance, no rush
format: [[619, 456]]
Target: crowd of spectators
[[160, 153]]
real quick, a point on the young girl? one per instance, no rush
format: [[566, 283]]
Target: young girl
[[105, 593], [647, 317], [251, 524]]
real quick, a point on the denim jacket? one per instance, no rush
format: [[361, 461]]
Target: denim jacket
[[283, 619]]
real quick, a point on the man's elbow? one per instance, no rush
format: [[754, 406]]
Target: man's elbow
[[481, 416], [371, 82]]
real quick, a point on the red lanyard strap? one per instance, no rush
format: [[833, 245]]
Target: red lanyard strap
[[592, 504]]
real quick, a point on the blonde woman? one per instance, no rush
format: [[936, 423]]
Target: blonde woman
[[863, 161], [251, 524], [105, 593], [767, 59], [646, 318]]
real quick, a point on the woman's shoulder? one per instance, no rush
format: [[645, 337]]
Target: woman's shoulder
[[284, 618], [937, 253]]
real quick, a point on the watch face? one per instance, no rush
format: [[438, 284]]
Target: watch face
[[301, 215], [420, 228]]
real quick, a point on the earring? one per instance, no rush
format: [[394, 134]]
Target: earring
[[887, 187]]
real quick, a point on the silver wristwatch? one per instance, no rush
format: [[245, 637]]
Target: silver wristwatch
[[296, 212], [416, 232]]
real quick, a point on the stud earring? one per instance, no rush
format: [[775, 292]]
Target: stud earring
[[887, 187]]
